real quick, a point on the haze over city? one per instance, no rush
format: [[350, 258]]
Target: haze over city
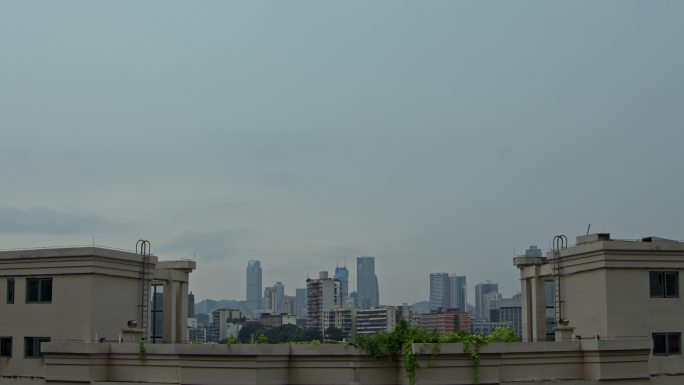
[[434, 136]]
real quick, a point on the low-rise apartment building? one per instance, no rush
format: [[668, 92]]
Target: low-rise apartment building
[[84, 294], [609, 289]]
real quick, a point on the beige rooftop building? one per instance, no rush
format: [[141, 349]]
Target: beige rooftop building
[[609, 289], [84, 294]]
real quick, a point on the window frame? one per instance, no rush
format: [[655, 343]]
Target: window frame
[[663, 284], [670, 347], [4, 350], [11, 286], [40, 295], [32, 346]]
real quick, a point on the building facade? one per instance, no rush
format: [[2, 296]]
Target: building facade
[[458, 295], [367, 293], [84, 294], [439, 291], [481, 289], [253, 285], [376, 320], [609, 290], [322, 294]]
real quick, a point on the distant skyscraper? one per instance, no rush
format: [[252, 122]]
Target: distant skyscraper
[[533, 251], [191, 305], [253, 285], [458, 296], [439, 290], [366, 283], [480, 290], [301, 303], [342, 275], [279, 289]]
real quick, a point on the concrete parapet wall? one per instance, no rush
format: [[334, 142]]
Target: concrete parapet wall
[[580, 362]]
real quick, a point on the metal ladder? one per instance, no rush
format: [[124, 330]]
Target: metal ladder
[[142, 247], [559, 242]]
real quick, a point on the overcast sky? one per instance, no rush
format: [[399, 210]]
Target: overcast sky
[[433, 135]]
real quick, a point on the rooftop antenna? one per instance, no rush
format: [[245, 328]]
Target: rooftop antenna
[[588, 227]]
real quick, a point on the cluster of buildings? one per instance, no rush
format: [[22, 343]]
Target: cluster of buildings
[[598, 299], [326, 302]]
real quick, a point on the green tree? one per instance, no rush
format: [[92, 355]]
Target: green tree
[[285, 333], [250, 332], [311, 334], [334, 334]]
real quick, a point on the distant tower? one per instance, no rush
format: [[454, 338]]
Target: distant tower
[[191, 305], [253, 285], [533, 251], [480, 290], [366, 283], [342, 275], [458, 296], [301, 303], [279, 289], [439, 290]]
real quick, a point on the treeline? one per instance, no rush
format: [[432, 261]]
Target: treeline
[[255, 332]]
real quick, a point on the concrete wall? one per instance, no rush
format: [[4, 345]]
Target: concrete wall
[[572, 362]]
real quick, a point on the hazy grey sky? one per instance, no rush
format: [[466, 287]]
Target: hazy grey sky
[[433, 135]]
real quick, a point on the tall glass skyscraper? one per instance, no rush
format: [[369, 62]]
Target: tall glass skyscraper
[[458, 296], [366, 283], [253, 285], [439, 290], [342, 275]]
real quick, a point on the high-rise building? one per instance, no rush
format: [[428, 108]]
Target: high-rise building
[[491, 303], [510, 310], [321, 294], [366, 283], [439, 291], [290, 305], [253, 285], [480, 290], [342, 275], [191, 305], [458, 295], [268, 301], [279, 305], [301, 303], [533, 251]]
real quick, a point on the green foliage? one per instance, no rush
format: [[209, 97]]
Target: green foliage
[[250, 331], [399, 345], [231, 340], [285, 333], [311, 334], [334, 334], [262, 339], [141, 349]]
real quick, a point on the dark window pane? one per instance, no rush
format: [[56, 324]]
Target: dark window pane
[[10, 290], [32, 290], [659, 344], [28, 346], [46, 290], [657, 284], [671, 284], [673, 343], [6, 346]]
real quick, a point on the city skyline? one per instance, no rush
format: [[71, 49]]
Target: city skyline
[[434, 136]]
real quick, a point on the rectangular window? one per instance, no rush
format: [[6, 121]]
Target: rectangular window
[[32, 346], [666, 343], [5, 346], [38, 290], [664, 284], [10, 290]]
